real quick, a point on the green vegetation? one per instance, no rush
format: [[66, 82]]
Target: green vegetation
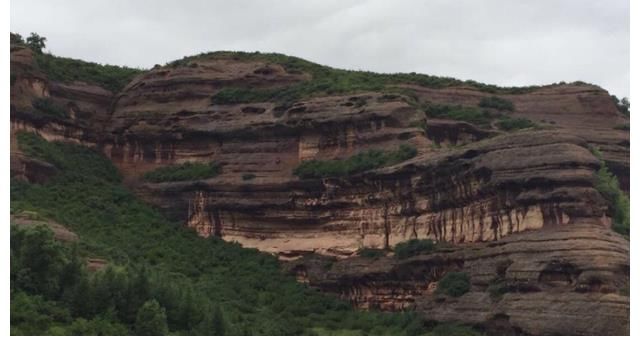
[[507, 123], [497, 103], [453, 329], [151, 319], [371, 252], [480, 117], [36, 42], [497, 288], [454, 284], [248, 176], [66, 70], [607, 184], [183, 172], [414, 247], [360, 162], [472, 115], [328, 81], [623, 105], [49, 108], [206, 287], [624, 127]]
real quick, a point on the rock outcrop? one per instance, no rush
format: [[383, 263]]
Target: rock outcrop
[[568, 279], [519, 208]]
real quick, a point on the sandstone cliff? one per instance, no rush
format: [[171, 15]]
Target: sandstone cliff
[[521, 207]]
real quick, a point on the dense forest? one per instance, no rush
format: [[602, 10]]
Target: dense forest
[[161, 278]]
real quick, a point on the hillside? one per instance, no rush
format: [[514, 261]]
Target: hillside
[[447, 202]]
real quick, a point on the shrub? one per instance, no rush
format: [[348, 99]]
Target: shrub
[[183, 172], [497, 288], [498, 103], [248, 176], [511, 124], [48, 107], [371, 252], [623, 105], [624, 127], [454, 284], [360, 162], [453, 329], [468, 114], [607, 184], [413, 247]]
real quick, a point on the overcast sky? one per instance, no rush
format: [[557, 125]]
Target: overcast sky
[[503, 42]]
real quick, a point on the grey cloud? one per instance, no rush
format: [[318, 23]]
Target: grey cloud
[[503, 42]]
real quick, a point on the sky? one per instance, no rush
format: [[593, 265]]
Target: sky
[[502, 42]]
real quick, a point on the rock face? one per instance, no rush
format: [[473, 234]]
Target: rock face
[[567, 279], [518, 208]]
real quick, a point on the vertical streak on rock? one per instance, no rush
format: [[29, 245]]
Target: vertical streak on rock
[[386, 225]]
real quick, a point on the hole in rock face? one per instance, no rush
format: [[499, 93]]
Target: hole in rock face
[[253, 110], [298, 110], [559, 274]]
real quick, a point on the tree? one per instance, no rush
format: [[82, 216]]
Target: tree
[[16, 39], [36, 42], [213, 323], [151, 319]]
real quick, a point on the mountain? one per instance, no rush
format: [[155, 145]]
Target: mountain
[[504, 209]]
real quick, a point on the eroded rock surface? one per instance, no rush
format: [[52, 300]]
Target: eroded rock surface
[[516, 208], [568, 279]]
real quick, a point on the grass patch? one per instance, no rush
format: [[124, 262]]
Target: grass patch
[[360, 162], [454, 284], [619, 205], [497, 103], [183, 172], [66, 70]]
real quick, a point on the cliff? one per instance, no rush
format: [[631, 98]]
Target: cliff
[[493, 193]]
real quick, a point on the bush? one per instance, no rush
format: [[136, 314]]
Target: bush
[[498, 103], [371, 252], [413, 247], [49, 108], [623, 105], [183, 172], [607, 184], [454, 284], [511, 124], [248, 176], [360, 162], [482, 118], [453, 329]]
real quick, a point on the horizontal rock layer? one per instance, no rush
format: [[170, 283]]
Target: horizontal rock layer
[[568, 279]]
